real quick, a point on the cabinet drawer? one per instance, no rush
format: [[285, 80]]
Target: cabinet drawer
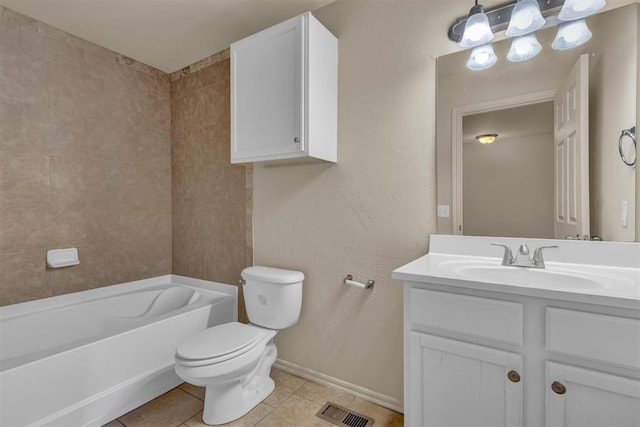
[[597, 337], [484, 318]]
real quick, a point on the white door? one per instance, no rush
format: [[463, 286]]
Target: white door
[[581, 398], [267, 91], [571, 143], [455, 383]]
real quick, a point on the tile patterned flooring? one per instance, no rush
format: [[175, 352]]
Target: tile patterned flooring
[[293, 403]]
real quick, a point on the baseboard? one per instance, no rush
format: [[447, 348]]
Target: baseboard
[[361, 392]]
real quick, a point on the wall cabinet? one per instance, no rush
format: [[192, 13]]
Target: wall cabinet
[[284, 83], [481, 358]]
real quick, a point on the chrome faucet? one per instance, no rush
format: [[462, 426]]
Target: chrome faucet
[[522, 259]]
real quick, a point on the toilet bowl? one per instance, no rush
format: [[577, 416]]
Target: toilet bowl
[[233, 360]]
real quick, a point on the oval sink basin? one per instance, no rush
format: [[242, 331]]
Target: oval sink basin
[[531, 277]]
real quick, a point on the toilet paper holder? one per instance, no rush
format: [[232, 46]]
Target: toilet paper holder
[[350, 282]]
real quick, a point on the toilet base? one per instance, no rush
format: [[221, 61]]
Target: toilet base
[[224, 406], [227, 402]]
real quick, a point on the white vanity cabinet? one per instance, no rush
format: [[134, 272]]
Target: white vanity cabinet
[[481, 358], [284, 93]]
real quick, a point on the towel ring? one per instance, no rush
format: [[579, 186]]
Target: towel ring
[[630, 133]]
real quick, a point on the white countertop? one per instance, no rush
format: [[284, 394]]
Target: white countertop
[[610, 271]]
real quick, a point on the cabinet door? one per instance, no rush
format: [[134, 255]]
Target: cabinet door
[[582, 397], [452, 383], [267, 93]]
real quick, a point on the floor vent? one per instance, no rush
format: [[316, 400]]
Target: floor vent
[[342, 416]]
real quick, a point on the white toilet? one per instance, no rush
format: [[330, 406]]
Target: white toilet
[[233, 360]]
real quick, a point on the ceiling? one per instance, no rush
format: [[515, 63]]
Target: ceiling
[[166, 34], [517, 122]]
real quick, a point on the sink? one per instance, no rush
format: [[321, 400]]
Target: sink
[[557, 277], [565, 280]]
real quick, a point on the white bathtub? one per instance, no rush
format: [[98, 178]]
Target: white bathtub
[[86, 358]]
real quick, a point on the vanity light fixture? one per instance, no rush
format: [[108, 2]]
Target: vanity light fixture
[[487, 138], [482, 57], [525, 18], [578, 9], [520, 19], [476, 30], [523, 48], [571, 34]]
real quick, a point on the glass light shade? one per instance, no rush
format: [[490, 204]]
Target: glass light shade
[[577, 9], [525, 18], [487, 138], [477, 30], [482, 57], [571, 34], [523, 48]]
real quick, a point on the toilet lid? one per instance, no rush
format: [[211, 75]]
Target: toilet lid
[[219, 340]]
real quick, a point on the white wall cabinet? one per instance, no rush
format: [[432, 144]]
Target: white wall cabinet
[[284, 83], [480, 358]]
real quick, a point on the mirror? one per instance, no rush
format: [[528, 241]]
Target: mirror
[[507, 188]]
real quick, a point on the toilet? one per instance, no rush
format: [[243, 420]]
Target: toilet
[[233, 360]]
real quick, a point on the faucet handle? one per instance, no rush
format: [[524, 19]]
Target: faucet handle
[[507, 258], [537, 255]]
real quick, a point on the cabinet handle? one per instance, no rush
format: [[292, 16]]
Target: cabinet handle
[[296, 139], [513, 376], [558, 388]]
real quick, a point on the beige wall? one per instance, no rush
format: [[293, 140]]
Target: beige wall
[[506, 189], [84, 162], [613, 105], [211, 222], [372, 211]]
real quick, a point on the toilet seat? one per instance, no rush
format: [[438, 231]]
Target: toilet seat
[[219, 343]]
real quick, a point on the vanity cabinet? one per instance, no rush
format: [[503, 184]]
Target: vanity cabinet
[[482, 358], [284, 93]]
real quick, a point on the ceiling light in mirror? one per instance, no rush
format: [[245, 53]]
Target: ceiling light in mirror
[[577, 9], [523, 48], [482, 57], [486, 138], [571, 34], [525, 18], [477, 30]]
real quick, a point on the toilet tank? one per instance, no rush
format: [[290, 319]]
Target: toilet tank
[[272, 296]]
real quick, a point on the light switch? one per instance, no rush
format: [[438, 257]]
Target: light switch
[[443, 211]]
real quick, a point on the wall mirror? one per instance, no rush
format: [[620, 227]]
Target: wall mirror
[[513, 187]]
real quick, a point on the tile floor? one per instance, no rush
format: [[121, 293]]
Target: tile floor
[[293, 403]]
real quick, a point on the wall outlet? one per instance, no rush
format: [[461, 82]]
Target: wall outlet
[[624, 213], [443, 211]]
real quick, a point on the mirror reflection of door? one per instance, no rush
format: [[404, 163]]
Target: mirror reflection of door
[[571, 159], [507, 186]]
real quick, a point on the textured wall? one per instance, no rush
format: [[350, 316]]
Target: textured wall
[[211, 222], [84, 162], [371, 212]]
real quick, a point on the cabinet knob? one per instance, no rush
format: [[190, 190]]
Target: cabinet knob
[[296, 139], [513, 376], [558, 388]]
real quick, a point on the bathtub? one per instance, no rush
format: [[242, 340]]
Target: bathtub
[[84, 359]]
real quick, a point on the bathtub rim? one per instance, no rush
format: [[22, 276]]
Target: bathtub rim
[[47, 303]]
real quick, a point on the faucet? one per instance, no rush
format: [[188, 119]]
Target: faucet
[[522, 259]]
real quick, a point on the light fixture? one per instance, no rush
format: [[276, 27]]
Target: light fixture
[[571, 34], [523, 48], [487, 138], [525, 18], [477, 30], [482, 57], [578, 9]]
